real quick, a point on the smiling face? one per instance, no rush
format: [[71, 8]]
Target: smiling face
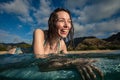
[[60, 25], [63, 24]]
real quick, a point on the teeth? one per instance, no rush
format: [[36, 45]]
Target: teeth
[[64, 30]]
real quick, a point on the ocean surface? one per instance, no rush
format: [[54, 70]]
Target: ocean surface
[[25, 67]]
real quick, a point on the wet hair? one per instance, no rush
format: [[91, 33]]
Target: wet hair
[[52, 29]]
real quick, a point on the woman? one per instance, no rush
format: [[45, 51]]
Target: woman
[[51, 41]]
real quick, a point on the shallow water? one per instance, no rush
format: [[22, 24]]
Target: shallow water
[[24, 67]]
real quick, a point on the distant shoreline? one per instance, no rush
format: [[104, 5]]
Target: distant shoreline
[[91, 51], [79, 52], [3, 52]]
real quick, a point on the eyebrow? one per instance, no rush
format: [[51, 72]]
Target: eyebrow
[[63, 18]]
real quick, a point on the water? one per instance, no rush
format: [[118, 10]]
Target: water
[[24, 67]]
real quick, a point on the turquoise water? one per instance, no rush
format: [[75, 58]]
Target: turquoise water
[[24, 67]]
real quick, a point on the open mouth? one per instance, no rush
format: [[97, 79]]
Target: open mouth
[[64, 31]]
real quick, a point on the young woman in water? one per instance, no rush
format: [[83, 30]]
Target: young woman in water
[[52, 40]]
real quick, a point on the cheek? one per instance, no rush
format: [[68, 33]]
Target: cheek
[[70, 26], [59, 26]]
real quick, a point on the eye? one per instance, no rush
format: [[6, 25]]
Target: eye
[[69, 21], [61, 20]]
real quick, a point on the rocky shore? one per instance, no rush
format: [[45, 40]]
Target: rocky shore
[[91, 51]]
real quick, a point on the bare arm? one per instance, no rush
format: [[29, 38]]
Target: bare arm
[[38, 41]]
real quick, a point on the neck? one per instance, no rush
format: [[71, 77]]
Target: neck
[[55, 41]]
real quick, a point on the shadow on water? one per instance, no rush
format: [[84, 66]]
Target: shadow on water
[[24, 67]]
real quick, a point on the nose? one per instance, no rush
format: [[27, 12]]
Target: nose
[[66, 24]]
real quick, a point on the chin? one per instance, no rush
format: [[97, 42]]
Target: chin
[[63, 36]]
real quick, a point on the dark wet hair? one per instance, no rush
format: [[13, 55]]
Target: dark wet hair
[[52, 29]]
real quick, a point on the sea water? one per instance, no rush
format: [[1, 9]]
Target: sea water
[[24, 67]]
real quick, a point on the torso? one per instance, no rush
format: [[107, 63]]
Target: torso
[[48, 49]]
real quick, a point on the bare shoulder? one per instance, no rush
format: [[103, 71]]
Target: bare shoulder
[[39, 35], [38, 40], [38, 31]]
